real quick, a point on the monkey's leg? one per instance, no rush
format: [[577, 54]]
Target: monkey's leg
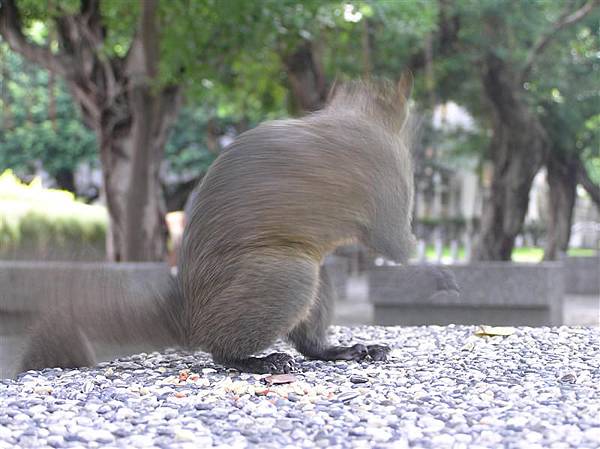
[[310, 336], [263, 302]]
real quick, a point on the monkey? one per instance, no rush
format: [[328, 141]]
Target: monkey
[[272, 205]]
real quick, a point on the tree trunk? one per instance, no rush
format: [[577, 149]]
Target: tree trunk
[[306, 77], [562, 183], [517, 152], [592, 189], [52, 99], [5, 97], [131, 154], [132, 135]]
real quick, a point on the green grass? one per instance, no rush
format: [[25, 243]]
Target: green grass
[[523, 255], [528, 254], [38, 221], [582, 252], [430, 252]]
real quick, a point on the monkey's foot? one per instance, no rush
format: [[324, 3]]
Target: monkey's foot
[[276, 363], [355, 352], [378, 353]]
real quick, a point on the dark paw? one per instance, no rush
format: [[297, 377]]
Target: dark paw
[[378, 352], [355, 352], [278, 363]]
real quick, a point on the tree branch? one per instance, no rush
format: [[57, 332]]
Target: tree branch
[[444, 39], [588, 184], [566, 19], [11, 32], [149, 35]]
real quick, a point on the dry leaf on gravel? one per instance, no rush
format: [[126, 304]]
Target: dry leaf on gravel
[[491, 331]]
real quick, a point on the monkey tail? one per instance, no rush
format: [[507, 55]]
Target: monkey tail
[[110, 313]]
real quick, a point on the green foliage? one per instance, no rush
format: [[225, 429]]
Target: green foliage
[[45, 222], [567, 93], [27, 131], [186, 148], [229, 56], [120, 17], [588, 142]]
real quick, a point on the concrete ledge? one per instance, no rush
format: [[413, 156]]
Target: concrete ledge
[[337, 269], [492, 293], [582, 275]]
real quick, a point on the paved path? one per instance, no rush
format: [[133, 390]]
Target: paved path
[[442, 387]]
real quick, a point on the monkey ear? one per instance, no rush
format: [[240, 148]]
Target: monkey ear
[[405, 84]]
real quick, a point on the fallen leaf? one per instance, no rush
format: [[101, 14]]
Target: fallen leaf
[[277, 379], [483, 331]]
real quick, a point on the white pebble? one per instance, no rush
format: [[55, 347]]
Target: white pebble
[[430, 424]]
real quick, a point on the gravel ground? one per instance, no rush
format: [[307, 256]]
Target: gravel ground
[[443, 387]]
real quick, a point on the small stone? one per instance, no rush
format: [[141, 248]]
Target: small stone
[[184, 435], [204, 406], [357, 431], [264, 408], [347, 396], [55, 441], [380, 434], [429, 424], [569, 378], [534, 437], [517, 422], [101, 436], [593, 434], [141, 440], [104, 409], [285, 424], [124, 413], [21, 418], [121, 433], [336, 412], [358, 379]]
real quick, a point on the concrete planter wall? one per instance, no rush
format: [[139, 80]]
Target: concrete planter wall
[[336, 268], [582, 275], [493, 293]]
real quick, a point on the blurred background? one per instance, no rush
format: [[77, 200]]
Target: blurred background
[[113, 110]]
